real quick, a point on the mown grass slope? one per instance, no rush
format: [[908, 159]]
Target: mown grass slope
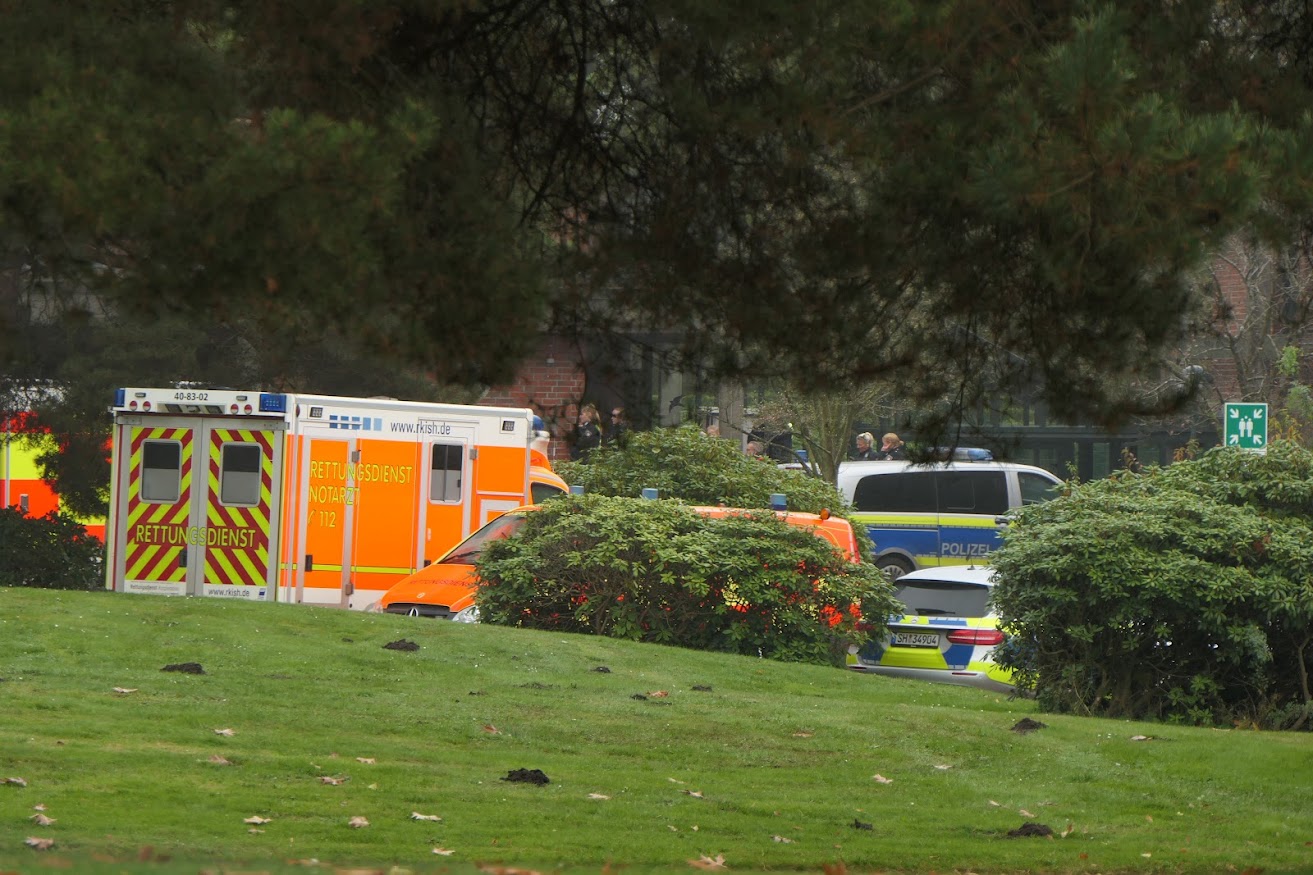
[[306, 719]]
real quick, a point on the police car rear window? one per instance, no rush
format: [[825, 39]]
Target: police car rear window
[[943, 598]]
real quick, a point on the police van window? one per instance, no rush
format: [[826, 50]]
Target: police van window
[[900, 492], [161, 471], [239, 474], [1036, 489], [540, 492], [444, 472], [972, 492]]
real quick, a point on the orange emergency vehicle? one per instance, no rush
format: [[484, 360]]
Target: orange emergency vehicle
[[311, 499], [447, 588], [22, 440]]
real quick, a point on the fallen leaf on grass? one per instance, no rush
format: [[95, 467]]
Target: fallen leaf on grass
[[1071, 827], [125, 690], [415, 815], [1141, 738], [39, 843], [369, 761], [41, 819], [881, 779], [658, 694], [675, 781], [357, 822], [38, 807], [943, 767], [803, 733], [782, 839], [710, 863], [19, 782], [993, 803], [695, 793], [255, 818], [491, 730], [1024, 813], [226, 732], [220, 761], [445, 852], [329, 779], [1146, 855], [597, 796]]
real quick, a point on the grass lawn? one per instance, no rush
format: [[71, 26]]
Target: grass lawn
[[309, 744]]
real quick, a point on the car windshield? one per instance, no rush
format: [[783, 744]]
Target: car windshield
[[469, 550], [943, 598]]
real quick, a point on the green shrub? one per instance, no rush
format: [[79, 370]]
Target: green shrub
[[1182, 593], [657, 571], [53, 552], [684, 463]]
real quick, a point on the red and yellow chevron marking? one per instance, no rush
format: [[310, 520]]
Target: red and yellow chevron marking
[[157, 533], [237, 551]]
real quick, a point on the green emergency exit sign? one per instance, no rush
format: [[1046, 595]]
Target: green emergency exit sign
[[1245, 426]]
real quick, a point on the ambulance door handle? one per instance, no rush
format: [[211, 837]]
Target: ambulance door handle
[[309, 562]]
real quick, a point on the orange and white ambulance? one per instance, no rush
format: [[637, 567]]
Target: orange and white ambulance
[[310, 499]]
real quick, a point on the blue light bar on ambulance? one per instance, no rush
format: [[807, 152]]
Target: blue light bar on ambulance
[[273, 403], [120, 396]]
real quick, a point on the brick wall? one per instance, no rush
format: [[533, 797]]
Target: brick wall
[[551, 381]]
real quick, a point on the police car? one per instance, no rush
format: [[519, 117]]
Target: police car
[[948, 633]]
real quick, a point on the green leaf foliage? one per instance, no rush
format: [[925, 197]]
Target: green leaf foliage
[[1182, 593], [658, 571], [53, 551], [686, 464]]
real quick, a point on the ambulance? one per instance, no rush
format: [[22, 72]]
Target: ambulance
[[309, 499], [21, 484]]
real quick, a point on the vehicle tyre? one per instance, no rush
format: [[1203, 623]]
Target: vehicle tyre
[[894, 567]]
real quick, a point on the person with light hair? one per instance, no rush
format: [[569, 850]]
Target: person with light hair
[[866, 452], [891, 449]]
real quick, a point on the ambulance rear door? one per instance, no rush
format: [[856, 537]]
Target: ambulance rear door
[[198, 505]]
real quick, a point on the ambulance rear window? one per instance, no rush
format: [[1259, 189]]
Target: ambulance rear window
[[445, 471], [161, 471], [239, 475]]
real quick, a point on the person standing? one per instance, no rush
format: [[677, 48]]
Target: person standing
[[618, 435], [587, 433], [866, 452], [891, 449]]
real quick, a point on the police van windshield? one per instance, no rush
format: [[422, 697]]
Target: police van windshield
[[469, 550]]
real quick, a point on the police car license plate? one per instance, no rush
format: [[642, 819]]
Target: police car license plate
[[916, 639]]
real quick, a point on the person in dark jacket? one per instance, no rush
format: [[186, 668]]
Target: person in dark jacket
[[618, 435], [587, 433], [866, 452], [891, 449]]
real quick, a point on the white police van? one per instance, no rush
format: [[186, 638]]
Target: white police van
[[942, 513]]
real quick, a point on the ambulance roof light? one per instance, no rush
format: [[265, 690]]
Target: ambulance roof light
[[273, 402], [120, 396]]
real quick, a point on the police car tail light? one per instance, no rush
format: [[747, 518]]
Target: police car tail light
[[975, 636]]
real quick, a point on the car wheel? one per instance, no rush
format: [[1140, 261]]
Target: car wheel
[[894, 567]]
